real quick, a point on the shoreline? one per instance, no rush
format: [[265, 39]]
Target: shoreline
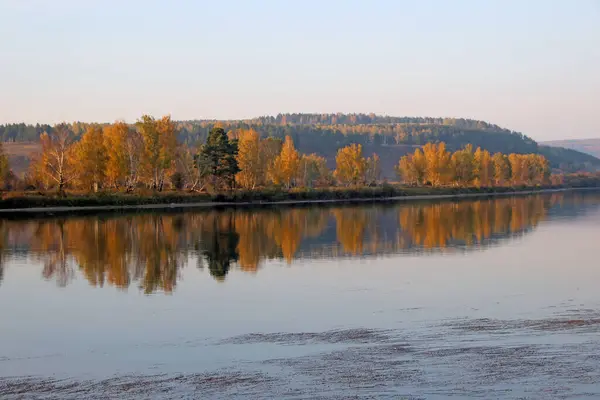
[[51, 210]]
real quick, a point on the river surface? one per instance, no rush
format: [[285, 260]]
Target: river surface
[[491, 298]]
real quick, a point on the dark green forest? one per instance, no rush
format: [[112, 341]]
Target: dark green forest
[[389, 137]]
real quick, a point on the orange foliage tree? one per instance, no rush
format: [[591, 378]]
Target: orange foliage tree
[[350, 165]]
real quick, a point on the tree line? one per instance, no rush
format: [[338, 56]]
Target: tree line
[[148, 154], [123, 157], [324, 134], [436, 166], [17, 132]]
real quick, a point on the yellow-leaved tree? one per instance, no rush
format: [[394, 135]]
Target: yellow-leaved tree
[[484, 168], [91, 157], [285, 166], [543, 170], [55, 163], [160, 145], [518, 169], [350, 165], [412, 168], [463, 166], [502, 174], [437, 163], [249, 160], [124, 146]]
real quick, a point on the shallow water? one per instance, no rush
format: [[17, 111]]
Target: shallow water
[[488, 298]]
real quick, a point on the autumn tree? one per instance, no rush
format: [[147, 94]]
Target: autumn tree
[[502, 172], [160, 143], [285, 166], [529, 169], [90, 158], [373, 169], [249, 160], [463, 165], [518, 169], [483, 168], [116, 163], [124, 146], [543, 170], [350, 165], [56, 160], [412, 168], [437, 160], [270, 148]]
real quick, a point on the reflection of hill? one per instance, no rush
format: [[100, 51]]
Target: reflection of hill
[[150, 249]]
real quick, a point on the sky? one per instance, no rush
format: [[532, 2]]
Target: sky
[[531, 66]]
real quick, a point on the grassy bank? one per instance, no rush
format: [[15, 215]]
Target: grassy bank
[[36, 200]]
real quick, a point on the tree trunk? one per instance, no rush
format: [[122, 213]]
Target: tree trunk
[[61, 186]]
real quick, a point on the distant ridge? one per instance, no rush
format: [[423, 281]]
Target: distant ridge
[[588, 146]]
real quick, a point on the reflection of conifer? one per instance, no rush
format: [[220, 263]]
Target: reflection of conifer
[[220, 249]]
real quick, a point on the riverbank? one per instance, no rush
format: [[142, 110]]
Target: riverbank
[[39, 205]]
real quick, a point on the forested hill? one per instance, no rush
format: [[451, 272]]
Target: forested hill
[[389, 137]]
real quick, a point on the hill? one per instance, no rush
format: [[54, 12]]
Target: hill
[[391, 137], [324, 134], [588, 146]]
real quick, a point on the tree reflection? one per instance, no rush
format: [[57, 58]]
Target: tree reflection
[[156, 257], [51, 241], [149, 250], [472, 223], [350, 228], [219, 245]]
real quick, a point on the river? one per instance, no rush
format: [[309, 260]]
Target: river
[[489, 298]]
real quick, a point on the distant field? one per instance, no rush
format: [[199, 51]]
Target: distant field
[[589, 146], [19, 155]]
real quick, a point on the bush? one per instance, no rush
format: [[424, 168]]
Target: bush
[[177, 180]]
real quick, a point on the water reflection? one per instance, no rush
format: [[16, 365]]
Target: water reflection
[[149, 250]]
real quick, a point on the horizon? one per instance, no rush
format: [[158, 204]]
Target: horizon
[[530, 68]]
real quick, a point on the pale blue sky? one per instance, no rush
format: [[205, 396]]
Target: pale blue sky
[[529, 65]]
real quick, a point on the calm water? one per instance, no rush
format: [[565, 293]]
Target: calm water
[[488, 298]]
